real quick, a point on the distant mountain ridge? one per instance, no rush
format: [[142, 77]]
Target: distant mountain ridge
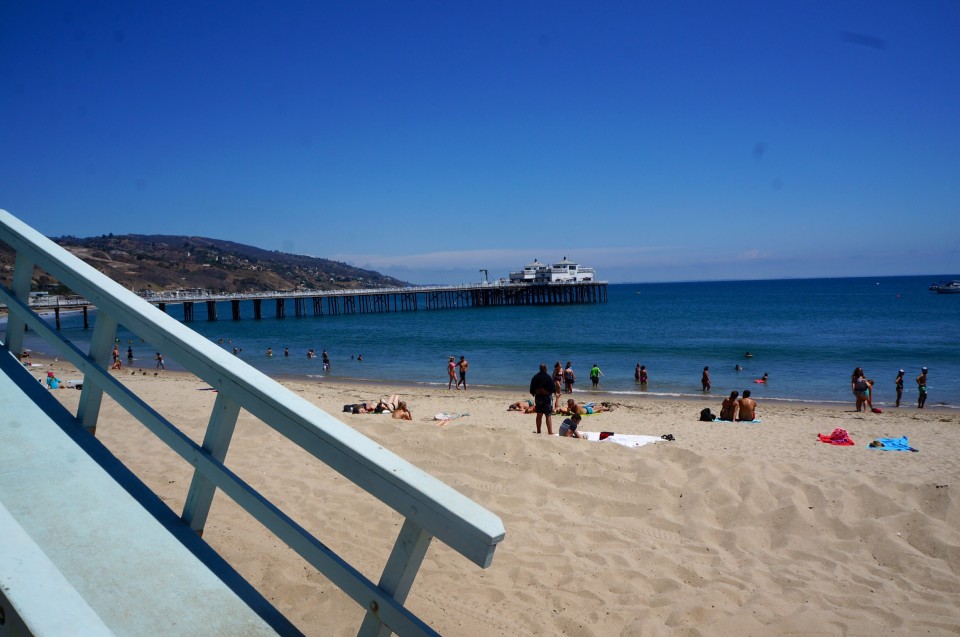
[[169, 262]]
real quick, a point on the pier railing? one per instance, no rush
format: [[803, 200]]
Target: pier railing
[[431, 509]]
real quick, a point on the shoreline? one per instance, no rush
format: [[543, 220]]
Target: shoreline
[[520, 391]]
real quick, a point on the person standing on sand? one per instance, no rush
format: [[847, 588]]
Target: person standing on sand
[[452, 373], [861, 388], [705, 379], [542, 387], [159, 359], [899, 382], [922, 388], [463, 365], [595, 375]]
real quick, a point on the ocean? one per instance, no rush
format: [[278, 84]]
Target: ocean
[[808, 335]]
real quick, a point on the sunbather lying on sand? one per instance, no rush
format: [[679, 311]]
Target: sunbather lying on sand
[[525, 406], [584, 409]]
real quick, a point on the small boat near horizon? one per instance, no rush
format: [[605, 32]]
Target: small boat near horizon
[[946, 287]]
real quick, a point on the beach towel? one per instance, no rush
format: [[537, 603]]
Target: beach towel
[[838, 436], [443, 416], [892, 444], [743, 421], [627, 440]]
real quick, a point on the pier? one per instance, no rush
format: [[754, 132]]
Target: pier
[[282, 304]]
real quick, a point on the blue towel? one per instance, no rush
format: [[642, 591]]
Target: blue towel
[[894, 444]]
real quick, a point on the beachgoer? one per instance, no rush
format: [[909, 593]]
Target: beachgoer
[[359, 357], [117, 363], [326, 359], [730, 406], [861, 388], [53, 382], [569, 378], [159, 359], [116, 352], [526, 406], [737, 367], [643, 375], [462, 366], [452, 372], [899, 382], [583, 409], [748, 355], [922, 388], [129, 355], [311, 354], [636, 373], [401, 412], [705, 379], [541, 388], [557, 384], [236, 350], [568, 428], [595, 375], [747, 407], [269, 352], [286, 351], [764, 379]]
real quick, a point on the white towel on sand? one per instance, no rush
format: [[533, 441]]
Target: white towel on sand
[[627, 440]]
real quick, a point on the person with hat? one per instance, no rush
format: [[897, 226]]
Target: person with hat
[[922, 388], [899, 386], [52, 381]]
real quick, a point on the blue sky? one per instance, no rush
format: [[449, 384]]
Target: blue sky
[[655, 141]]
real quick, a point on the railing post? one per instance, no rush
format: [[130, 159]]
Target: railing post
[[223, 421], [398, 575], [101, 344], [22, 276]]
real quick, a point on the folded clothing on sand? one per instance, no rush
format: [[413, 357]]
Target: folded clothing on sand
[[838, 436], [892, 444]]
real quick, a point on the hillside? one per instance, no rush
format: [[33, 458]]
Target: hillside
[[162, 262]]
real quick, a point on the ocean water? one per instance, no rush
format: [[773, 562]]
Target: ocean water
[[808, 335]]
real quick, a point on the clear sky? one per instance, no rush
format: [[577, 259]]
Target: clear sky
[[655, 141]]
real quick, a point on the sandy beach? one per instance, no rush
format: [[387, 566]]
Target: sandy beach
[[730, 529]]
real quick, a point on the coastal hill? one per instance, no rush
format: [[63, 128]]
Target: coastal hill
[[162, 262]]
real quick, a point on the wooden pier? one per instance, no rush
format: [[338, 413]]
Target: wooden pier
[[367, 301]]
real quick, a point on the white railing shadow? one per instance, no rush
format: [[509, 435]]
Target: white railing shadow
[[430, 508]]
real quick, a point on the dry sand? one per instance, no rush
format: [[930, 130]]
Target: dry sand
[[732, 529]]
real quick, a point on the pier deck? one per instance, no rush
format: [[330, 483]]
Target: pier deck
[[282, 304]]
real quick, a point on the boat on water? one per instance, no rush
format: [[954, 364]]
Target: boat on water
[[946, 287]]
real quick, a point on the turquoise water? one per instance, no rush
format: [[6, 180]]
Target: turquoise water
[[808, 335]]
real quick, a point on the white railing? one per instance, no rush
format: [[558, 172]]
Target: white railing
[[430, 508]]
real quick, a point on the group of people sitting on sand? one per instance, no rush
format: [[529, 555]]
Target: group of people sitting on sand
[[397, 408], [734, 408]]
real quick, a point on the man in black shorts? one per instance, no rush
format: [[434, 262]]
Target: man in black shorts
[[541, 386]]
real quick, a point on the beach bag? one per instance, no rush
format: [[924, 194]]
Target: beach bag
[[348, 408], [706, 415]]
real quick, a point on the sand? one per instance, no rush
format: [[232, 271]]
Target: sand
[[731, 529]]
